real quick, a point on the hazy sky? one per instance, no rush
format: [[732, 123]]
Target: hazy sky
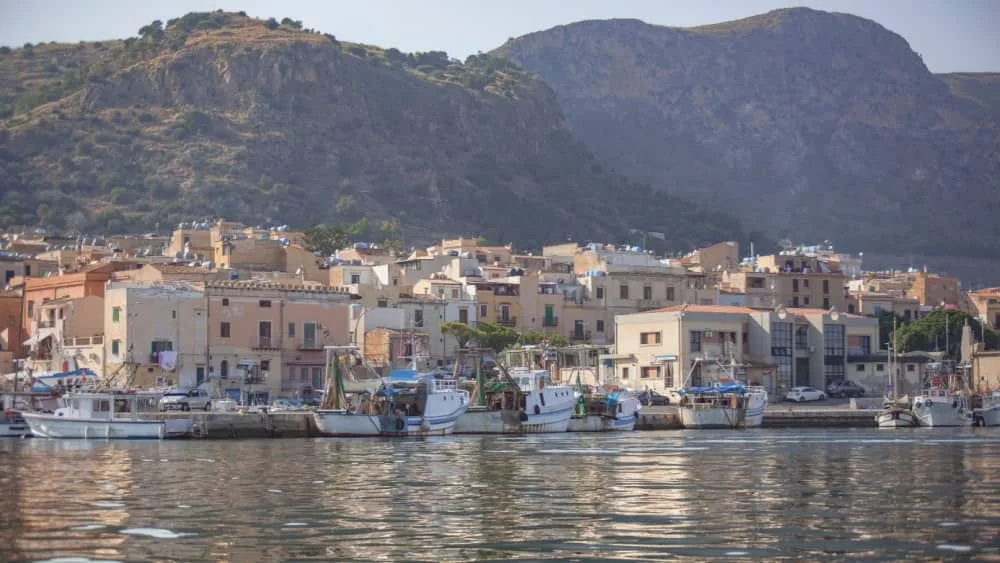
[[952, 35]]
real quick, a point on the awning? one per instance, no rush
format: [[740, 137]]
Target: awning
[[42, 334]]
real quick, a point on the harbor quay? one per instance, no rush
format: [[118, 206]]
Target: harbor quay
[[247, 425]]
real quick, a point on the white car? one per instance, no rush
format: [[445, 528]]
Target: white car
[[186, 399], [803, 394]]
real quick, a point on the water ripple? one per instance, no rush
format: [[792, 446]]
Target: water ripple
[[757, 495]]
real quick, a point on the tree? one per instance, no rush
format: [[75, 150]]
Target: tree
[[534, 337], [358, 230], [325, 240], [154, 30], [885, 326], [463, 333], [942, 330], [497, 337], [271, 23]]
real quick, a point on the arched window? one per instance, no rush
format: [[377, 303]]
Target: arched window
[[224, 369]]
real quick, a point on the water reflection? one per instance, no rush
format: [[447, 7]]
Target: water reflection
[[643, 496]]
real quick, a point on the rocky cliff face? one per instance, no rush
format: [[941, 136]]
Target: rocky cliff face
[[235, 118], [814, 126]]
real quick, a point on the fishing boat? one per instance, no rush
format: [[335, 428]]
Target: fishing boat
[[425, 406], [938, 406], [724, 405], [727, 403], [988, 414], [896, 412], [106, 415], [603, 411], [12, 424], [521, 401]]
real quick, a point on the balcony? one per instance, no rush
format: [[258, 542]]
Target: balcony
[[550, 321], [647, 304], [309, 345], [508, 322], [265, 343], [47, 323], [579, 336]]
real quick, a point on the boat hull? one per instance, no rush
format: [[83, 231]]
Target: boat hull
[[60, 427], [344, 424], [14, 429], [695, 418], [989, 416], [601, 423], [896, 418], [483, 421], [941, 414]]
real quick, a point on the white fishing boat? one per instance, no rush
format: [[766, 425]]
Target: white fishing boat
[[521, 402], [938, 407], [12, 424], [896, 412], [106, 416], [427, 406], [726, 405], [989, 413]]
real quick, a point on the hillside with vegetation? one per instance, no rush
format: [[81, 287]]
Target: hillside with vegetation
[[810, 125], [220, 114]]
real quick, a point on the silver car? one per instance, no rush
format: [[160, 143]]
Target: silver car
[[186, 399]]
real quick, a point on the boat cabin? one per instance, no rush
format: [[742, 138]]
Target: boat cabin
[[108, 405]]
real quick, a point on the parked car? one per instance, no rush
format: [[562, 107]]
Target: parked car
[[845, 389], [186, 399], [650, 397], [803, 394]]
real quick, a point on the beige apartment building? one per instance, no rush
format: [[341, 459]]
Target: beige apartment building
[[66, 335], [266, 340], [155, 335], [986, 304], [866, 303], [778, 348], [524, 303], [718, 258], [789, 281]]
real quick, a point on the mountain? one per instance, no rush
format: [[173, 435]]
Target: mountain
[[810, 125], [218, 114]]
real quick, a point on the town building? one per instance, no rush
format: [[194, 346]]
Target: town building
[[986, 306]]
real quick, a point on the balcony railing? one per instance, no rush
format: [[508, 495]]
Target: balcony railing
[[508, 322], [550, 321], [578, 336], [309, 345], [646, 304], [46, 323], [83, 341], [265, 343]]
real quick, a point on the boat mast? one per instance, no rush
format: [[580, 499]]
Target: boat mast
[[892, 357]]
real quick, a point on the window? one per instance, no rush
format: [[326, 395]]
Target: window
[[309, 335], [668, 376], [116, 347], [355, 279], [670, 294], [624, 373], [116, 314], [454, 293], [173, 314], [649, 338], [805, 282], [833, 340], [861, 367], [483, 309], [224, 369], [805, 300], [826, 302], [600, 326], [224, 330], [199, 378], [383, 303], [600, 293], [879, 367], [265, 365], [850, 308], [265, 303], [264, 332], [650, 372], [781, 339], [463, 316], [418, 318], [647, 292], [695, 340], [291, 330], [31, 309], [225, 301], [826, 286], [755, 283], [317, 379], [801, 336], [623, 291], [795, 301], [795, 285], [304, 374], [910, 367]]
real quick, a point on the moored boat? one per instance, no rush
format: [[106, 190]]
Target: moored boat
[[988, 414], [896, 414], [520, 402], [614, 411], [106, 415], [938, 407], [729, 405], [425, 406]]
